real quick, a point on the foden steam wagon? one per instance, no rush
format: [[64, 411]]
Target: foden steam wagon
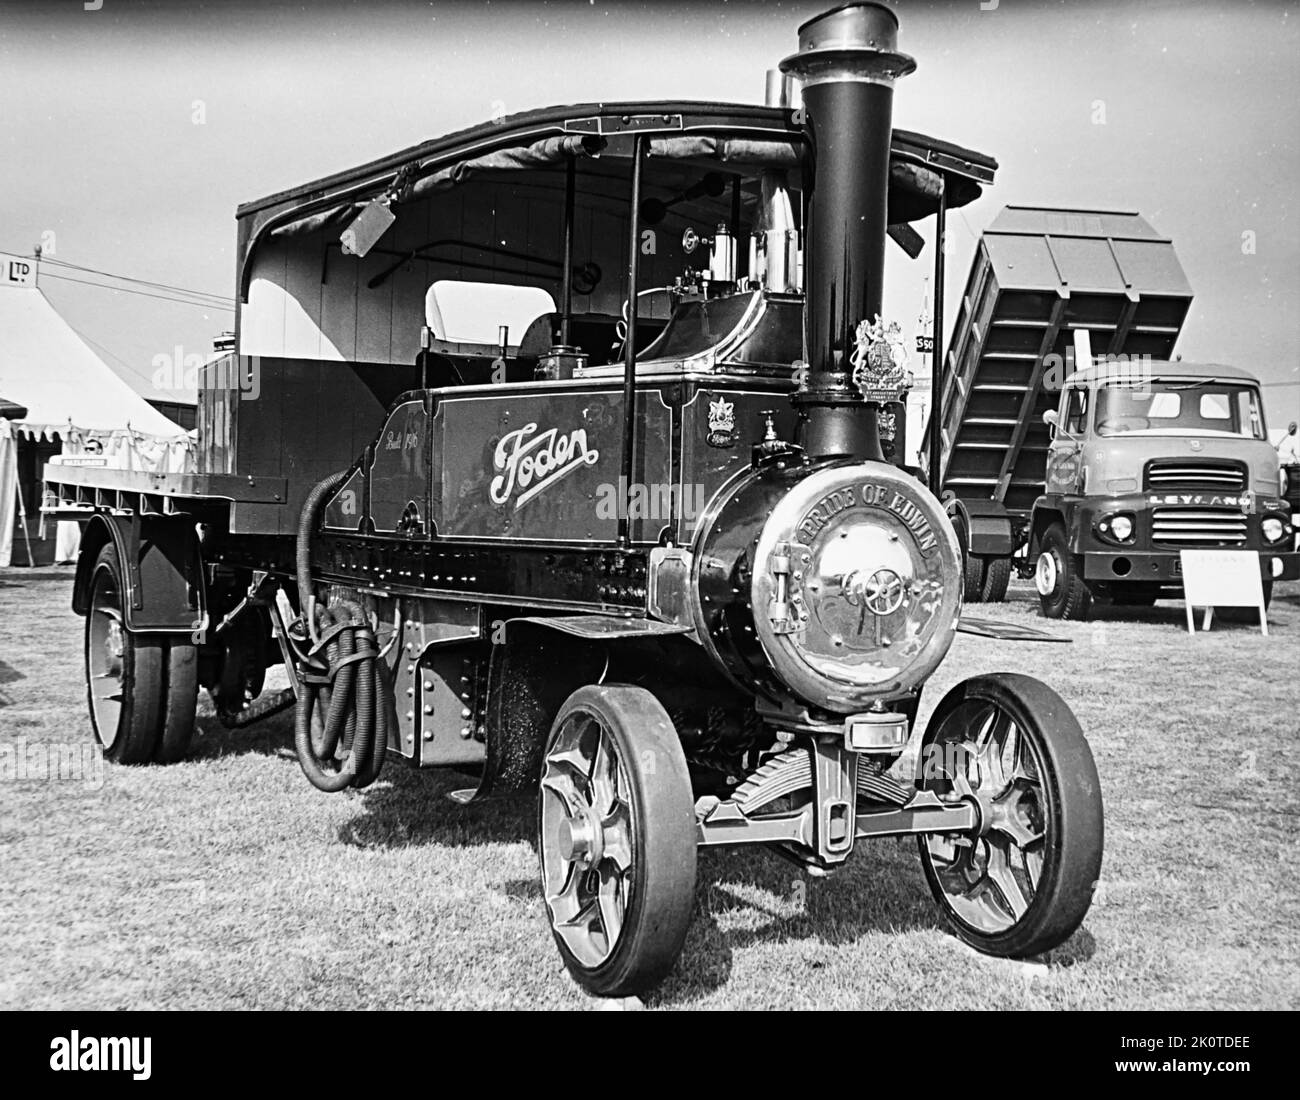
[[556, 451]]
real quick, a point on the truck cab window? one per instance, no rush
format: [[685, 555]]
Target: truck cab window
[[1076, 411], [1176, 407], [1214, 406]]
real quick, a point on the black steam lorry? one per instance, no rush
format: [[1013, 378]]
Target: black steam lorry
[[556, 451]]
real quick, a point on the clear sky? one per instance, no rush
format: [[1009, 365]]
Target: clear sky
[[130, 133]]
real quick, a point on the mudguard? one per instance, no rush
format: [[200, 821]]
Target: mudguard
[[162, 571], [537, 663], [989, 527]]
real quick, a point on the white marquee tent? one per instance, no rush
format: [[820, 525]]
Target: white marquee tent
[[69, 393]]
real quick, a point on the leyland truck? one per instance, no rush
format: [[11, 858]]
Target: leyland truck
[[1075, 449], [1143, 463]]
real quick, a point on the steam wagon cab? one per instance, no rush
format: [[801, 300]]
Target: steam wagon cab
[[551, 452]]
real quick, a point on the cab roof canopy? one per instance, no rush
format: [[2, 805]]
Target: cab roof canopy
[[687, 143]]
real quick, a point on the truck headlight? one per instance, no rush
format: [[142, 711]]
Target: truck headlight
[[1273, 528], [1116, 528]]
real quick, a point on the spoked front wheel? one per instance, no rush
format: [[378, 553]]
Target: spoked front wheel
[[617, 839], [1022, 883]]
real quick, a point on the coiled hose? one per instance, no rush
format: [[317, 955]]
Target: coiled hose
[[342, 678]]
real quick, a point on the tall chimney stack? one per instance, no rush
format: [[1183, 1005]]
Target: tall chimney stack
[[846, 65]]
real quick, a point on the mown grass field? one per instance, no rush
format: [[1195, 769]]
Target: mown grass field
[[229, 882]]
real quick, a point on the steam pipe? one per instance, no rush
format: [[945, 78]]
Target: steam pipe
[[629, 346], [735, 227], [936, 351], [566, 292], [776, 90], [780, 236], [846, 65]]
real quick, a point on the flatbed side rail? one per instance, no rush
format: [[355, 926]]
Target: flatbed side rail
[[78, 492]]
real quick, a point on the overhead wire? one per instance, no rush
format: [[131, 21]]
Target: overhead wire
[[162, 291], [141, 293], [116, 358], [187, 292]]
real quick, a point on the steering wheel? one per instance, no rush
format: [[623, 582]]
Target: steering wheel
[[620, 327]]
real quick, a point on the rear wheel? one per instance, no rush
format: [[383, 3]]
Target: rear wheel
[[997, 575], [1023, 882], [141, 688], [180, 700], [617, 839], [973, 578], [1058, 577]]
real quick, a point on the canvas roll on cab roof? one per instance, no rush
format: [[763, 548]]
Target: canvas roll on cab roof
[[729, 137]]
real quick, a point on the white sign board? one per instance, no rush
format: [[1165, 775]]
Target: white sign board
[[1222, 578], [77, 460], [17, 270]]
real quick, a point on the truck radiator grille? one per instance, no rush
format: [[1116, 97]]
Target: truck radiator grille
[[1223, 477], [1198, 527]]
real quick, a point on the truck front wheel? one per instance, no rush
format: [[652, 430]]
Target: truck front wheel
[[1059, 578]]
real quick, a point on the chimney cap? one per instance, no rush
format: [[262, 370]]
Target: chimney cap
[[849, 15], [855, 41]]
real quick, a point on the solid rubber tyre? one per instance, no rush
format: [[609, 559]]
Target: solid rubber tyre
[[1068, 801], [661, 894], [125, 672], [180, 700], [152, 719]]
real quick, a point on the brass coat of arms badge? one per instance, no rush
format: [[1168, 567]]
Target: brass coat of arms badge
[[880, 361]]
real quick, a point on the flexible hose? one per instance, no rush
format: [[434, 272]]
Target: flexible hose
[[307, 520], [342, 679]]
